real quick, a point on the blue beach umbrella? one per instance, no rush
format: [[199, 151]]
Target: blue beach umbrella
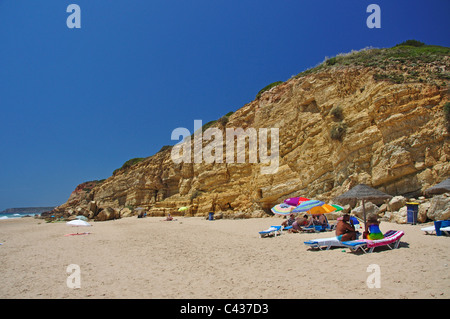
[[305, 206]]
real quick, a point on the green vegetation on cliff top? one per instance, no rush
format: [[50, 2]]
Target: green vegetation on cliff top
[[410, 61]]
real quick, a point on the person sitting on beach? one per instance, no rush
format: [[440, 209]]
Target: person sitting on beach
[[315, 220], [344, 230], [169, 218], [299, 223], [322, 220], [372, 230], [289, 222]]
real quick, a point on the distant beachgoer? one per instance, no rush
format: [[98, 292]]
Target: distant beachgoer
[[344, 230], [169, 217], [289, 222], [373, 231], [299, 223], [322, 220]]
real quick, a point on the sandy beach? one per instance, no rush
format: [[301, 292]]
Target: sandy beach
[[195, 258]]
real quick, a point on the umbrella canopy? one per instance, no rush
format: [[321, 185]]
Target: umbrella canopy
[[295, 201], [338, 208], [363, 192], [282, 209], [442, 187], [305, 206], [78, 222], [182, 208], [324, 209]]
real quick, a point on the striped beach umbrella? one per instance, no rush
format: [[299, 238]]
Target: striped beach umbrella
[[324, 209], [305, 206], [338, 207], [282, 209]]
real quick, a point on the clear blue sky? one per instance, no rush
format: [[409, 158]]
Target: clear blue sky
[[77, 103]]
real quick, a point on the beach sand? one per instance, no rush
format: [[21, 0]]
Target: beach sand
[[195, 258]]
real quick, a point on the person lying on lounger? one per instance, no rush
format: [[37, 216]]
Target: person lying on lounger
[[345, 230]]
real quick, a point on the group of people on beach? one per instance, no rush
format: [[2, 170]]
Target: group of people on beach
[[299, 223], [345, 228]]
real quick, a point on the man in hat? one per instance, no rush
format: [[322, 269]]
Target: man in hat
[[345, 230]]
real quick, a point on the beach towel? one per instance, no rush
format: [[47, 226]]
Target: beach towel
[[76, 234]]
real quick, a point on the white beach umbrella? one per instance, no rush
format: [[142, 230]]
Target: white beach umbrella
[[78, 223]]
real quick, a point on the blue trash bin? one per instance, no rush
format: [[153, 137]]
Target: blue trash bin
[[211, 216], [411, 212]]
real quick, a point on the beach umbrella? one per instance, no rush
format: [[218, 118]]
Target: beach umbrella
[[362, 192], [282, 209], [307, 205], [338, 208], [295, 201], [442, 187], [78, 223], [181, 209], [81, 217], [324, 209]]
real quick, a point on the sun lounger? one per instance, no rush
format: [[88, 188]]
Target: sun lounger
[[428, 230], [444, 226], [446, 230], [391, 240], [315, 228], [324, 243], [272, 230]]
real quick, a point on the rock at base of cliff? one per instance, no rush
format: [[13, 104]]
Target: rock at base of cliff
[[107, 213]]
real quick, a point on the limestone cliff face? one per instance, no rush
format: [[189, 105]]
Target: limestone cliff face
[[394, 139]]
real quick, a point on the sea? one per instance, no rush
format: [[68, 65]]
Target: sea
[[16, 215]]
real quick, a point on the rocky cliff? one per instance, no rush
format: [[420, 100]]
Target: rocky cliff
[[373, 117]]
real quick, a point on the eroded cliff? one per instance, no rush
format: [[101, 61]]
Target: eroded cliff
[[339, 125]]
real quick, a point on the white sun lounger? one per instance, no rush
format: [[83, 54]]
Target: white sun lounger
[[272, 230], [324, 243], [446, 230], [428, 230], [432, 230]]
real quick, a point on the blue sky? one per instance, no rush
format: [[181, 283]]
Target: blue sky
[[77, 103]]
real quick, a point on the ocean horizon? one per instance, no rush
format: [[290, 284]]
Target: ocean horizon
[[16, 215]]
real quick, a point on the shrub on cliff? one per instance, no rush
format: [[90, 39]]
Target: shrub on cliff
[[128, 164], [267, 87], [447, 116], [413, 43], [336, 112], [337, 131]]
